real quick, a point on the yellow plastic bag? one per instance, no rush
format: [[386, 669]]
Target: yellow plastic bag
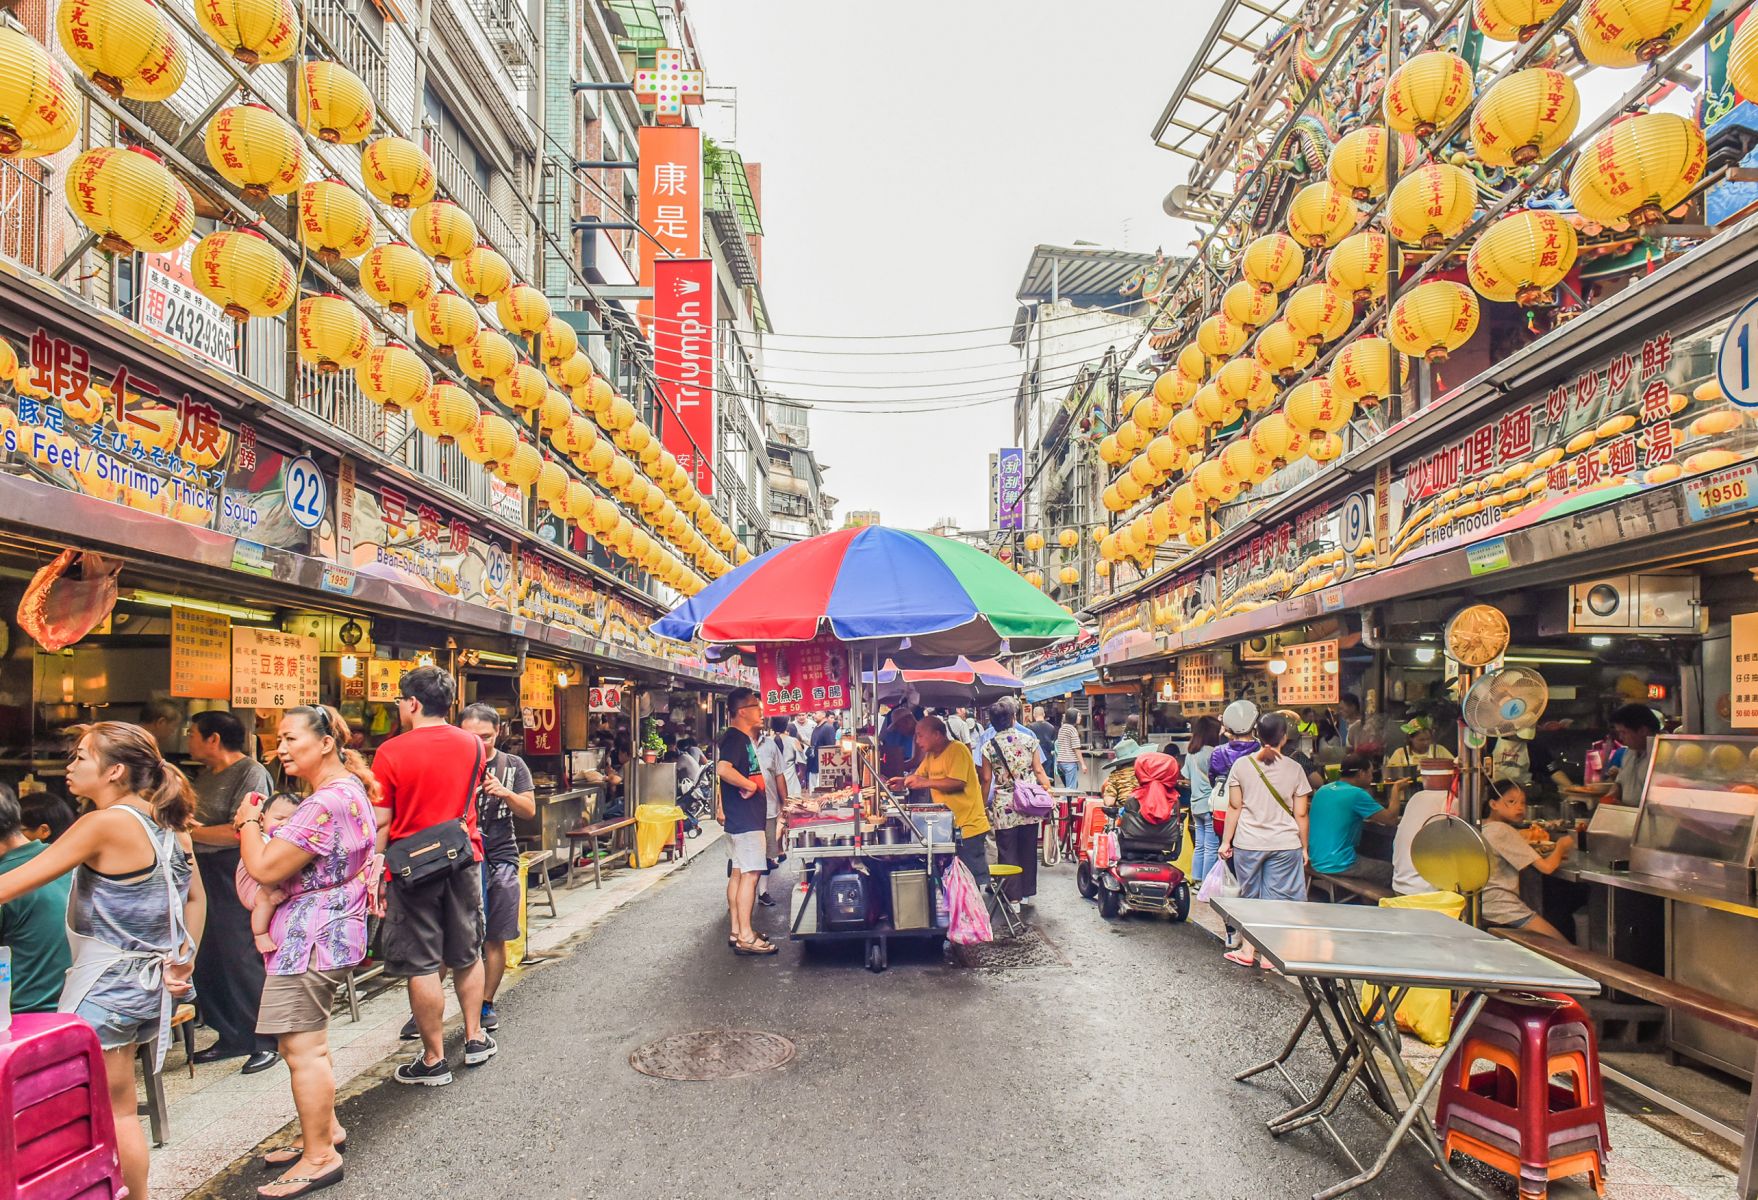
[[1425, 1012], [655, 826]]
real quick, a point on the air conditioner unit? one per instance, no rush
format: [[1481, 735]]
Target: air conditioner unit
[[1636, 604]]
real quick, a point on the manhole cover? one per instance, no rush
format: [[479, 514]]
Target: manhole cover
[[1029, 949], [713, 1054]]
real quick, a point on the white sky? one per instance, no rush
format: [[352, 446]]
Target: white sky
[[913, 154]]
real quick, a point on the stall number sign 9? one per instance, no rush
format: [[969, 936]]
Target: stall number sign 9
[[306, 498], [606, 699], [1736, 363]]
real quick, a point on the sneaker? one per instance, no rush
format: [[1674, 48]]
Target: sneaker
[[491, 1020], [477, 1053], [410, 1031], [763, 898], [418, 1071]]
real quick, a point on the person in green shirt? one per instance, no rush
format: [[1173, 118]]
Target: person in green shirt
[[34, 926]]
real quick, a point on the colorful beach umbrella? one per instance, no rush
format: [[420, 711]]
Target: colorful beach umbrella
[[964, 682], [890, 589]]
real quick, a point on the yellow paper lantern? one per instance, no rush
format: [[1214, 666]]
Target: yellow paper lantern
[[1034, 542], [1358, 162], [1110, 453], [238, 270], [1241, 462], [1627, 33], [1186, 502], [634, 439], [1521, 257], [334, 222], [556, 341], [443, 231], [483, 274], [618, 415], [1068, 539], [445, 414], [524, 310], [1272, 262], [334, 105], [603, 517], [572, 373], [1220, 338], [1193, 364], [1637, 169], [1512, 20], [1166, 455], [575, 502], [251, 31], [1357, 267], [1214, 409], [1102, 568], [599, 457], [1320, 215], [1319, 313], [1213, 484], [398, 172], [1109, 548], [1524, 117], [1244, 384], [487, 357], [8, 362], [1361, 374], [1068, 576], [1145, 473], [522, 467], [1275, 441], [551, 487], [1427, 91], [1245, 305], [398, 277], [255, 151], [1742, 60], [1035, 578], [1315, 407], [1282, 352], [1324, 448], [393, 376], [1172, 388], [1187, 428], [127, 47], [1126, 406], [128, 198], [1128, 489], [1431, 205], [522, 389], [39, 110], [619, 474], [1097, 533], [332, 333], [1153, 414], [554, 412], [575, 438], [1433, 319], [1131, 437], [491, 442], [446, 321]]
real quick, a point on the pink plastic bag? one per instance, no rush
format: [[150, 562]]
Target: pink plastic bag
[[967, 917]]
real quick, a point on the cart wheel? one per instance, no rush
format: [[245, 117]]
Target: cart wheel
[[1181, 902], [1083, 881], [1110, 903], [876, 955], [1050, 850]]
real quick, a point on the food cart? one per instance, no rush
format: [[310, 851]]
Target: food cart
[[873, 593]]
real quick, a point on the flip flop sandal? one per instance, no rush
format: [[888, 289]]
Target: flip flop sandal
[[757, 949], [1238, 959], [307, 1184], [267, 1163]]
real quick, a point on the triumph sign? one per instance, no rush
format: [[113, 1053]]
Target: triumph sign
[[683, 358]]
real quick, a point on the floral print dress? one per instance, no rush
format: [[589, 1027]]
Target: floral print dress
[[1009, 755], [321, 926]]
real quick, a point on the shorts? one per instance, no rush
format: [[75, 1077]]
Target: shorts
[[500, 901], [436, 923], [749, 851], [1270, 874], [1504, 908], [116, 1031], [297, 1003]]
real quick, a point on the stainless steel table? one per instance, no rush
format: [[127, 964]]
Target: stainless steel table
[[1330, 950]]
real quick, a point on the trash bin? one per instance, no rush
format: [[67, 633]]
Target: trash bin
[[656, 826], [1425, 1012]]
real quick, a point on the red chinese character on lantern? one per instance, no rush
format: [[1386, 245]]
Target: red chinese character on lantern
[[1514, 435], [1657, 355], [1656, 402], [1557, 478], [198, 427], [1617, 374], [429, 520], [1659, 444], [245, 459], [1556, 405], [460, 537], [395, 507], [1620, 455]]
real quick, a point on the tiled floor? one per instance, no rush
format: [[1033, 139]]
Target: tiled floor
[[219, 1115]]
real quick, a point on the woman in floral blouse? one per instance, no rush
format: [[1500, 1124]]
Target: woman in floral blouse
[[321, 858], [1012, 754]]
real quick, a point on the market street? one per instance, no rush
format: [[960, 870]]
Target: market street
[[1106, 1071]]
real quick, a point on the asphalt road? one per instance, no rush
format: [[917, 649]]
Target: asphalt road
[[1104, 1072]]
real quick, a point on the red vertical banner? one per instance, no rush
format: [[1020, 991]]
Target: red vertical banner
[[683, 359], [670, 198]]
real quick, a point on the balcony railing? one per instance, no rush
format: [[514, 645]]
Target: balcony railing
[[473, 198], [510, 33], [24, 200], [359, 49]]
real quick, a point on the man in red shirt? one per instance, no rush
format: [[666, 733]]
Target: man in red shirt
[[429, 774]]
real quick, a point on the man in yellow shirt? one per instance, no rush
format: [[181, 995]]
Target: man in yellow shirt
[[948, 771]]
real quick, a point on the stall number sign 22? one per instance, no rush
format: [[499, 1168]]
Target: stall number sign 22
[[307, 497]]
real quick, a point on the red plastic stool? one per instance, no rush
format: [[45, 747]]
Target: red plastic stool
[[1495, 1115], [58, 1141]]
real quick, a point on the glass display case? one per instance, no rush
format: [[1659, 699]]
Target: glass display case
[[1700, 812]]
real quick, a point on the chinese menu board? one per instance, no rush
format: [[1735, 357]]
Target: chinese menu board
[[797, 677], [835, 768], [382, 677], [201, 655], [271, 669], [1743, 654], [537, 686], [1312, 674], [1201, 678]]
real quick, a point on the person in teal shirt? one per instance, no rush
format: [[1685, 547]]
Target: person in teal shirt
[[1335, 817], [34, 926]]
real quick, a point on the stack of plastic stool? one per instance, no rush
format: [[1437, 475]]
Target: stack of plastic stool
[[1513, 1116], [57, 1138]]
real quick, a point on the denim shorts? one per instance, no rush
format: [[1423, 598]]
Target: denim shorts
[[114, 1030]]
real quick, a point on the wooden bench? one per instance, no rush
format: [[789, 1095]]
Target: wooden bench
[[591, 835], [538, 860], [1363, 891], [1679, 998]]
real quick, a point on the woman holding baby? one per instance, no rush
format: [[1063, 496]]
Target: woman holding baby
[[314, 862]]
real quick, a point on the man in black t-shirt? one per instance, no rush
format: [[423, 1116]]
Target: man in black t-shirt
[[506, 791], [741, 808], [1046, 734]]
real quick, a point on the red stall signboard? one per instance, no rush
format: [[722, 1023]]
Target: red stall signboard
[[797, 677]]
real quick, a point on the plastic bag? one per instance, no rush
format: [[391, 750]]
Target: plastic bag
[[967, 917], [1425, 1012], [1218, 884]]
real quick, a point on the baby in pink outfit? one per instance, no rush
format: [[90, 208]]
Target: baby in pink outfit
[[260, 900]]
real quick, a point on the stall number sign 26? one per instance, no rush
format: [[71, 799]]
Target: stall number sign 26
[[307, 497]]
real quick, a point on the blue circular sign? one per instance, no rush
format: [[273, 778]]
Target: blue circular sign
[[307, 495], [1736, 362]]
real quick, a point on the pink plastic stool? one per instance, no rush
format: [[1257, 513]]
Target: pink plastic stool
[[58, 1141]]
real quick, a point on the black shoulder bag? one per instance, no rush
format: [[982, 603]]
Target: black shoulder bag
[[430, 852]]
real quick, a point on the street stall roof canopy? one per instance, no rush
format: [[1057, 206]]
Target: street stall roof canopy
[[1061, 681], [964, 682], [905, 593]]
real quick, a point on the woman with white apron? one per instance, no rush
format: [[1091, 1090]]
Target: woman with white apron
[[135, 912]]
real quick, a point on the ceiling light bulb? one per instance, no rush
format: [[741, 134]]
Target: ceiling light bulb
[[1425, 654], [350, 666], [1277, 665]]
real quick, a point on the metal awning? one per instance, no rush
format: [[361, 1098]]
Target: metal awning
[[1083, 274], [641, 32], [1047, 685]]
